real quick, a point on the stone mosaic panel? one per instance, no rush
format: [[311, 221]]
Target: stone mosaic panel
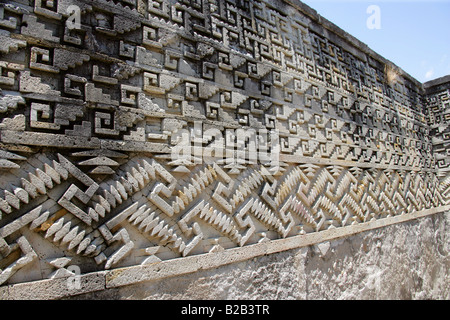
[[136, 131], [438, 107]]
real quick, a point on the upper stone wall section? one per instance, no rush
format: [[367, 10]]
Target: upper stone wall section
[[243, 63], [438, 116]]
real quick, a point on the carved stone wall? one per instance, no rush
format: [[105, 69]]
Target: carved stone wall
[[437, 109], [186, 135]]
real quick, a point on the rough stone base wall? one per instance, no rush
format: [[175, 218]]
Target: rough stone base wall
[[403, 261]]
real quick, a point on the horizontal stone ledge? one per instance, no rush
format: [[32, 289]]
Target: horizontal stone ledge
[[164, 269], [348, 163], [64, 141], [101, 280], [52, 289]]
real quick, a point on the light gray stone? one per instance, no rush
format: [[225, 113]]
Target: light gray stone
[[214, 149]]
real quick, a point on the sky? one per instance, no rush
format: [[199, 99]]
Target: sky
[[413, 34]]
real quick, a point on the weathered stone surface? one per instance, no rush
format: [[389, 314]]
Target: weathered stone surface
[[189, 135], [402, 261]]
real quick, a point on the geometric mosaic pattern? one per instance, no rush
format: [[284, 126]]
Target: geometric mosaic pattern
[[282, 128], [437, 110]]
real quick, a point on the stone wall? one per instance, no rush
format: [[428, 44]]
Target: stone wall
[[141, 140], [402, 261]]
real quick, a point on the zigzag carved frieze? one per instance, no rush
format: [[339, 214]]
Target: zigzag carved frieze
[[184, 217], [133, 132]]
